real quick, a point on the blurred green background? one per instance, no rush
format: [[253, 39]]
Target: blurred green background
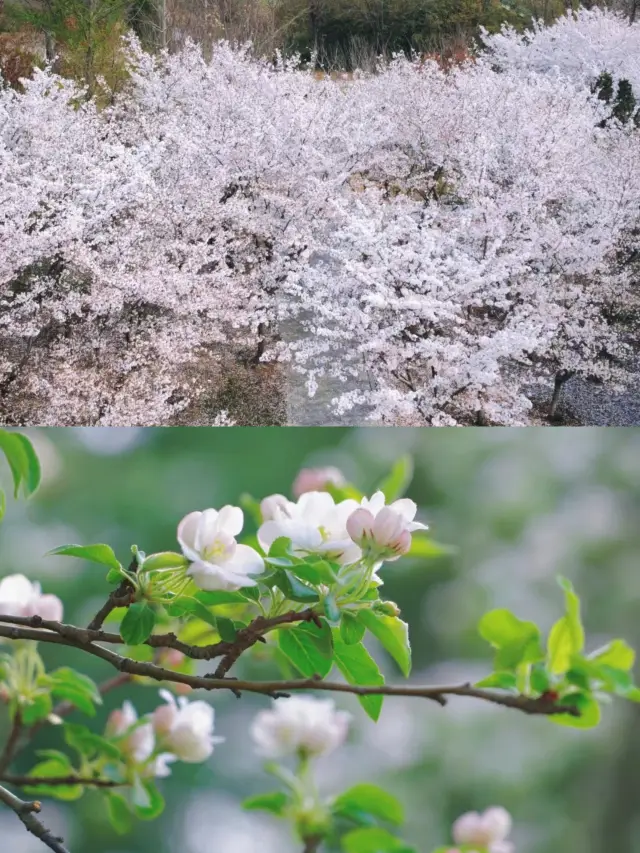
[[519, 505]]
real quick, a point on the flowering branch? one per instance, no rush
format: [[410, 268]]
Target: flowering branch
[[26, 812], [120, 597], [268, 688]]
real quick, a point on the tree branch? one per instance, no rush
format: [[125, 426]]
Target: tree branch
[[26, 812], [231, 651], [26, 781], [120, 597], [526, 704]]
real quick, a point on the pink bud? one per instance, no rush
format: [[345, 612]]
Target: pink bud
[[49, 607], [316, 480], [182, 689], [116, 723], [360, 525]]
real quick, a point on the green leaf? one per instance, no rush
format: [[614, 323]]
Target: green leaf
[[226, 629], [155, 802], [504, 680], [93, 553], [517, 641], [114, 576], [274, 802], [317, 572], [589, 712], [396, 483], [301, 648], [23, 462], [119, 814], [358, 667], [88, 744], [331, 609], [425, 548], [372, 839], [351, 630], [393, 633], [72, 686], [294, 589], [566, 638], [372, 800], [3, 504], [37, 709], [57, 764], [187, 606], [31, 479], [617, 653], [138, 623], [165, 560], [280, 547]]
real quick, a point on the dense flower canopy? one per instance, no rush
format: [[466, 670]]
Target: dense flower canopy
[[454, 235]]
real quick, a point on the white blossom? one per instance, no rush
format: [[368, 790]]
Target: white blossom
[[21, 597], [315, 523], [208, 540], [488, 830], [140, 743], [185, 728], [300, 725]]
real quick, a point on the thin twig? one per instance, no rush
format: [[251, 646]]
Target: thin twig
[[26, 811], [12, 742], [526, 704], [32, 781], [120, 597]]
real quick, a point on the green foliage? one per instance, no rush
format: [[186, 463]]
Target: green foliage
[[138, 623], [306, 649], [23, 463], [55, 764], [395, 484], [373, 839], [392, 633], [74, 687], [274, 802], [102, 554], [368, 800], [359, 668]]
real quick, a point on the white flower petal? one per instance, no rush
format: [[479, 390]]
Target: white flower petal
[[230, 520], [207, 529], [187, 530]]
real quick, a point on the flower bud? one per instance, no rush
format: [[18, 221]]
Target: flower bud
[[388, 608], [171, 658], [383, 536], [316, 480]]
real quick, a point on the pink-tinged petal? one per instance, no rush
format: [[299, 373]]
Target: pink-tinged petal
[[376, 502], [336, 519], [187, 530], [230, 520], [275, 507], [405, 507], [360, 524], [16, 589], [246, 561], [207, 529], [388, 526], [49, 607], [416, 525]]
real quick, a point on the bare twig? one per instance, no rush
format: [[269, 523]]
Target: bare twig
[[12, 742], [120, 597], [27, 781], [526, 704], [26, 811]]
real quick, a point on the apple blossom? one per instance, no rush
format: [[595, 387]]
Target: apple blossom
[[20, 597], [186, 728], [315, 523], [384, 532], [140, 743], [316, 480], [217, 560], [300, 725], [488, 830]]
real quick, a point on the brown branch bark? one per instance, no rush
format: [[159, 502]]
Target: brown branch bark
[[526, 704], [120, 597], [26, 781], [12, 742], [26, 811]]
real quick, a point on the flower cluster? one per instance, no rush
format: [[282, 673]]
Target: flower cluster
[[175, 731], [347, 531]]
